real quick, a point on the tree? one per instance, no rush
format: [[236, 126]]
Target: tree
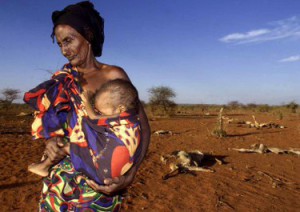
[[9, 95], [160, 97], [234, 105], [293, 106]]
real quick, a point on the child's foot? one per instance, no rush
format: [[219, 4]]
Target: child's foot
[[39, 169]]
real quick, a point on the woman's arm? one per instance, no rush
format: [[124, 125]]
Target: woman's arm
[[145, 141]]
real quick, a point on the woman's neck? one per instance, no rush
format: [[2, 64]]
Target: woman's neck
[[89, 66]]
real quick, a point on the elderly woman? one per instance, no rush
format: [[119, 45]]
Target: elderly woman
[[78, 30]]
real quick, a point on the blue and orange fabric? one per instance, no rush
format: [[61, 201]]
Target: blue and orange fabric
[[112, 146], [99, 148]]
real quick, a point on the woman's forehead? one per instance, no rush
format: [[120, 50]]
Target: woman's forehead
[[62, 31]]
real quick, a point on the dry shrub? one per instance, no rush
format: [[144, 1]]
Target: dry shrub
[[158, 110], [219, 129], [292, 106], [264, 108]]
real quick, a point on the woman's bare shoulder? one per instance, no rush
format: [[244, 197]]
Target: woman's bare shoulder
[[114, 72]]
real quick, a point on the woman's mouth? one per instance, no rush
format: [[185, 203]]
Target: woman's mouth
[[71, 58]]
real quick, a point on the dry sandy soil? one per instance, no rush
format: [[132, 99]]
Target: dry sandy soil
[[245, 182]]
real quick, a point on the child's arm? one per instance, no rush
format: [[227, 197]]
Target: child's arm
[[42, 168]]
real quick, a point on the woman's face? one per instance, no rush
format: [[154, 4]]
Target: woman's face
[[73, 45]]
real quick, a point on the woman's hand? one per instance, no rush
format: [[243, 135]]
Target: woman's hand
[[66, 148], [54, 150], [115, 184]]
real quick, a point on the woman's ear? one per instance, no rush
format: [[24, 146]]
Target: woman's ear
[[89, 36], [121, 108]]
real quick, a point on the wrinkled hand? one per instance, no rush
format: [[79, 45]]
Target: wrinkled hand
[[115, 184], [54, 150], [66, 148]]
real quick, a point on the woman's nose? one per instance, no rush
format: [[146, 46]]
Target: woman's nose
[[65, 51]]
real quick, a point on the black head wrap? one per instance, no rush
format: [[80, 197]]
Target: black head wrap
[[85, 20]]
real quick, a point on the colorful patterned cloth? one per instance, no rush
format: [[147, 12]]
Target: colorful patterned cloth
[[112, 147], [99, 148]]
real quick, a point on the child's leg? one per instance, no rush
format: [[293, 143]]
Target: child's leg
[[41, 168]]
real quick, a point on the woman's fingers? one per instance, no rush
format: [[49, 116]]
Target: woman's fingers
[[112, 185], [98, 188], [49, 155], [50, 152], [108, 181], [106, 189], [60, 143], [116, 180], [53, 151]]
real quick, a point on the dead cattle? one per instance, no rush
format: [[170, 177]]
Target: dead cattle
[[183, 162]]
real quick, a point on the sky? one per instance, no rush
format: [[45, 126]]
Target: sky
[[207, 51]]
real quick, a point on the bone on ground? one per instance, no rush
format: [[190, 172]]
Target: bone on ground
[[264, 149]]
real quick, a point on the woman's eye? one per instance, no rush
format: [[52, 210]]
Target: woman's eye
[[65, 43], [69, 40]]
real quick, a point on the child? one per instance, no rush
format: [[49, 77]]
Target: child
[[112, 151]]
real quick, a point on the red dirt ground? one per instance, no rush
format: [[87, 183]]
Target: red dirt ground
[[245, 182]]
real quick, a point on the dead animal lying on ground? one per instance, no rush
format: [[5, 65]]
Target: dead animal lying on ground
[[233, 120], [254, 124], [183, 162], [265, 125], [261, 149], [163, 132]]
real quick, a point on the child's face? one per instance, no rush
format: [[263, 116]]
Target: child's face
[[104, 105]]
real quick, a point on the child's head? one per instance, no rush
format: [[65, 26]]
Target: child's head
[[115, 97]]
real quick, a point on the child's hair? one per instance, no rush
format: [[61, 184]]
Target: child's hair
[[122, 92]]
